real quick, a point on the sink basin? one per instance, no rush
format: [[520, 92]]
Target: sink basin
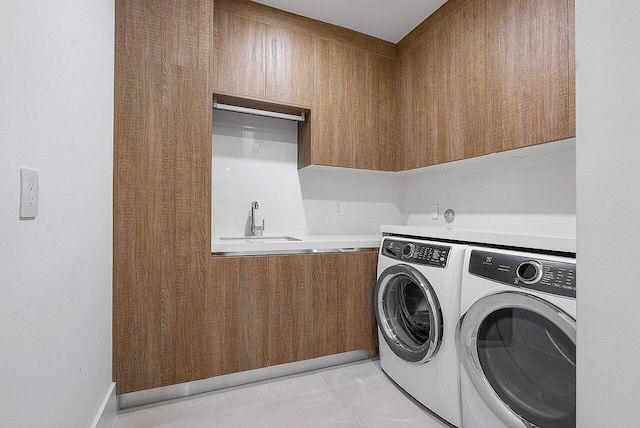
[[258, 239]]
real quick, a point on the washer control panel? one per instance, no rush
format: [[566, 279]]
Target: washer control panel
[[416, 252], [525, 272]]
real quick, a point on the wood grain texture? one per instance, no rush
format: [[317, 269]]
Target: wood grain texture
[[356, 326], [240, 327], [550, 61], [138, 29], [289, 67], [137, 225], [161, 224], [571, 27], [461, 84], [292, 316], [185, 33], [299, 24], [416, 103], [432, 22], [187, 139], [333, 123], [374, 147], [330, 280], [528, 73], [162, 185], [238, 65]]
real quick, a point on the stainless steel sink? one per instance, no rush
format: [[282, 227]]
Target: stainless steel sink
[[258, 239]]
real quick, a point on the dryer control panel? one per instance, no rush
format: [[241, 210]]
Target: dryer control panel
[[416, 252], [536, 274]]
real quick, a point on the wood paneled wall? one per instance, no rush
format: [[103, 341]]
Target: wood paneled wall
[[162, 191]]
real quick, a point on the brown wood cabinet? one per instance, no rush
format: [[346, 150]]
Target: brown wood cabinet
[[333, 118], [280, 309], [240, 324], [261, 61], [416, 119], [162, 182], [292, 311], [289, 67], [529, 76], [480, 76], [460, 84], [351, 119], [374, 147], [343, 77], [238, 56]]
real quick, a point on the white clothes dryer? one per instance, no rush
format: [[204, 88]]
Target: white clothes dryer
[[517, 339], [417, 304]]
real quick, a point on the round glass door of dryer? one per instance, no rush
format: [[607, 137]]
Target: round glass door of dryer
[[408, 313], [520, 353]]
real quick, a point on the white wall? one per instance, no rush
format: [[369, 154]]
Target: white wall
[[56, 116], [529, 190], [608, 170], [255, 158]]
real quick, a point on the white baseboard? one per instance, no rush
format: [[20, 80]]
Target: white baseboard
[[106, 417]]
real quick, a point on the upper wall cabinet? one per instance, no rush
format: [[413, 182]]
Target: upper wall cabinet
[[352, 109], [416, 118], [289, 66], [333, 126], [238, 56], [251, 59], [528, 72], [374, 109], [481, 76], [460, 82], [270, 59]]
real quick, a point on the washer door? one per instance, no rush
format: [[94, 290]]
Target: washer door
[[520, 354], [408, 313]]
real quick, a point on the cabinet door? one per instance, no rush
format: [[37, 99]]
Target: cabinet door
[[528, 73], [240, 325], [356, 316], [460, 84], [162, 176], [374, 78], [238, 56], [292, 316], [334, 104], [416, 107], [289, 69]]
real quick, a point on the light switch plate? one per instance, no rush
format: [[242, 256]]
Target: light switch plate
[[434, 212], [29, 189], [342, 208]]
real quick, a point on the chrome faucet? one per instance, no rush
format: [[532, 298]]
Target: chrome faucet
[[255, 230]]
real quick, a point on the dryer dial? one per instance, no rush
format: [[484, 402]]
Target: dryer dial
[[408, 251], [529, 272]]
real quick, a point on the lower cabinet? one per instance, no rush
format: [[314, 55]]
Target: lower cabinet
[[240, 319], [279, 309]]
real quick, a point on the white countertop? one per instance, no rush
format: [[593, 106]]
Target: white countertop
[[307, 242], [496, 237]]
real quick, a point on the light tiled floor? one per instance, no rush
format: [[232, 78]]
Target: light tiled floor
[[353, 395]]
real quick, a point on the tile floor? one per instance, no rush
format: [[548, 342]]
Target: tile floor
[[352, 395]]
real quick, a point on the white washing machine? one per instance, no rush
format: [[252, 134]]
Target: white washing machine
[[417, 303], [516, 340]]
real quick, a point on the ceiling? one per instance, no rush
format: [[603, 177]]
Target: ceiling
[[389, 20]]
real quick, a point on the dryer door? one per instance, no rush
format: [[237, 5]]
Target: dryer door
[[520, 354], [408, 313]]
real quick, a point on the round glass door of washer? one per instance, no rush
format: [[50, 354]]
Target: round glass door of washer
[[408, 313]]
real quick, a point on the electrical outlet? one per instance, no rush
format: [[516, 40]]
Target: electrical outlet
[[29, 185], [434, 212]]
